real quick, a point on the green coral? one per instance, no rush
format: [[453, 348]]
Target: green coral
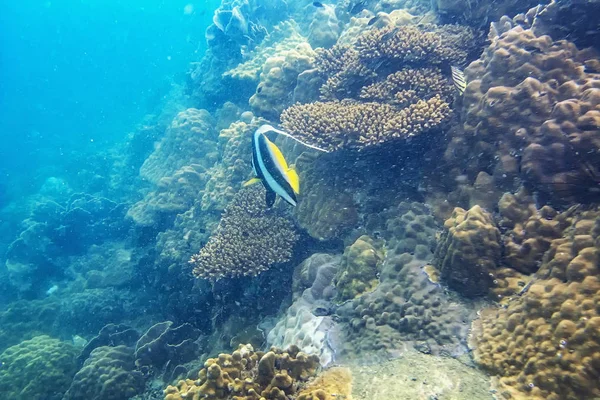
[[39, 368], [359, 269]]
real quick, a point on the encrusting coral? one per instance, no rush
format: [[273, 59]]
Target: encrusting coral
[[332, 384], [248, 374], [545, 344], [249, 239]]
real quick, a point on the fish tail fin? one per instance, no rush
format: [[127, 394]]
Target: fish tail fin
[[251, 182], [294, 180]]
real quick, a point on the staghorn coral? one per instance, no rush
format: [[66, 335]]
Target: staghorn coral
[[347, 124], [249, 239], [546, 343], [469, 251], [246, 374], [39, 368]]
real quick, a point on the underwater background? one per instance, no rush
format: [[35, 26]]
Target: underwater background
[[444, 241]]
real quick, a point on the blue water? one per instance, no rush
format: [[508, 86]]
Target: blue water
[[78, 75]]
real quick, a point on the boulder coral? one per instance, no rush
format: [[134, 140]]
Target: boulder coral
[[248, 374], [545, 344], [39, 368], [359, 269], [469, 251], [108, 374], [531, 113]]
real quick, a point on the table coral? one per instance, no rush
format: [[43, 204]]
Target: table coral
[[348, 124], [469, 251], [246, 374], [39, 368], [249, 239], [546, 343]]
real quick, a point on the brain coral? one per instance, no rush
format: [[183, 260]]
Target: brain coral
[[546, 343], [39, 368], [246, 374], [249, 239]]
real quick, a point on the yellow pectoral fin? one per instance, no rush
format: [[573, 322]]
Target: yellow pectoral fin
[[251, 182], [294, 180]]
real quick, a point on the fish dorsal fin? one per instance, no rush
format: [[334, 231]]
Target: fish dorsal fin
[[251, 182], [277, 155], [294, 180]]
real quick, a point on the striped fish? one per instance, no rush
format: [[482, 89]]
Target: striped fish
[[272, 170], [458, 77]]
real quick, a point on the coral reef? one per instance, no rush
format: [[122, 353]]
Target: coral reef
[[228, 174], [189, 140], [39, 368], [405, 308], [550, 141], [385, 92], [108, 374], [248, 374], [164, 345], [249, 239], [348, 124], [545, 343], [359, 269], [327, 210], [308, 323], [469, 251], [278, 79]]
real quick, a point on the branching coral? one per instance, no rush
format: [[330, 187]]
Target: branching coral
[[339, 125], [249, 239], [408, 86], [246, 374], [413, 45]]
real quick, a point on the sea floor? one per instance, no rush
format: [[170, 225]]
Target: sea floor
[[418, 376]]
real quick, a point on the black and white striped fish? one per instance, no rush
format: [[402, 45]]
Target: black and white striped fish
[[271, 169], [458, 77]]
